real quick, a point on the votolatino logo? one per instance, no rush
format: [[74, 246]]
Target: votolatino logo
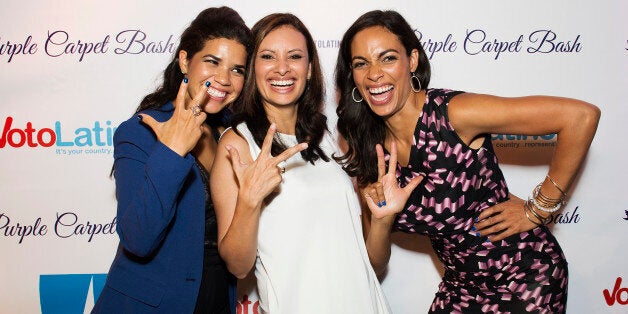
[[618, 295], [246, 306], [524, 141], [95, 138], [327, 43], [69, 293]]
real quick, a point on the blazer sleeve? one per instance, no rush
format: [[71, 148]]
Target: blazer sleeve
[[149, 178]]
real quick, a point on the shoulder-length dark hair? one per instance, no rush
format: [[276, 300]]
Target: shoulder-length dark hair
[[311, 123], [211, 23], [361, 128]]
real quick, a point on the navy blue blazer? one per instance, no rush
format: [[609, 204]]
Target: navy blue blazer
[[160, 223]]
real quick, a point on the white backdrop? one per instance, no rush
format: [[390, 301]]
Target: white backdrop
[[71, 71]]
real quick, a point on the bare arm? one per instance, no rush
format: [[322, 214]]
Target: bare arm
[[237, 228], [384, 199], [377, 233], [574, 122], [239, 186]]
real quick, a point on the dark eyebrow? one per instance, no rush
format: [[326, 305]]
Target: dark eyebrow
[[296, 50], [212, 56], [387, 51], [220, 59], [358, 58], [381, 54]]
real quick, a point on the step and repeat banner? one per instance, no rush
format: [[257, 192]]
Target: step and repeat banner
[[72, 71]]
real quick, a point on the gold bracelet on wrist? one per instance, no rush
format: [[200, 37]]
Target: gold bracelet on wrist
[[562, 191]]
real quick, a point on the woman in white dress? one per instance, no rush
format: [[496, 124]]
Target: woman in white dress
[[284, 207]]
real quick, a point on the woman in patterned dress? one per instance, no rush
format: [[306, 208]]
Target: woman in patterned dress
[[499, 256]]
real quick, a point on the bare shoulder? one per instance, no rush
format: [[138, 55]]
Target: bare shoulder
[[231, 138], [467, 101]]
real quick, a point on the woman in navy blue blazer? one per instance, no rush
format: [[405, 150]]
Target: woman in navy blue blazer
[[167, 260]]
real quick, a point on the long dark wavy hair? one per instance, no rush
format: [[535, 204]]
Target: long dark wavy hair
[[211, 23], [311, 123], [361, 128]]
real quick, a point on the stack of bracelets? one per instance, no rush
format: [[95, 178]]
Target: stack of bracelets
[[540, 202]]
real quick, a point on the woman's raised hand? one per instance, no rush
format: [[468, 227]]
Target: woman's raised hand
[[261, 177], [385, 198], [183, 130]]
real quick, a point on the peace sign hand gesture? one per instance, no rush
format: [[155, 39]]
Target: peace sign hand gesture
[[385, 198], [261, 177], [183, 130]]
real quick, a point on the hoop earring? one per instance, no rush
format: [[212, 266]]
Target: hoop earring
[[414, 77], [353, 95]]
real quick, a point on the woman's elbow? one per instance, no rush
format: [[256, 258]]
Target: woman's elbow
[[236, 266], [238, 271], [136, 248], [589, 115], [239, 275]]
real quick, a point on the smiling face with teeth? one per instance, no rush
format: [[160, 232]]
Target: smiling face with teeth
[[282, 67], [381, 69], [222, 63]]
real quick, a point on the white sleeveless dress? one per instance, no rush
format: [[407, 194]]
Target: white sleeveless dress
[[311, 256]]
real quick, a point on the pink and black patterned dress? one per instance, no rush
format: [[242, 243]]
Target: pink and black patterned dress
[[524, 273]]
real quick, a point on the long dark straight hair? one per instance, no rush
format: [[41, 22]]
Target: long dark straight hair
[[361, 128], [311, 123], [211, 23]]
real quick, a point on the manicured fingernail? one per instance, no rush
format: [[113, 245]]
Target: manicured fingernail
[[476, 219], [185, 80], [487, 239], [379, 204], [384, 203], [477, 234], [139, 116], [473, 228], [207, 84]]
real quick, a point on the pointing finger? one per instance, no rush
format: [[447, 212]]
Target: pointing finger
[[200, 95], [148, 120], [392, 163], [180, 99], [235, 159], [290, 152], [268, 140], [381, 162], [413, 184]]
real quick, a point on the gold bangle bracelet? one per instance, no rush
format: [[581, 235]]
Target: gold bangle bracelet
[[527, 210], [543, 220], [557, 186]]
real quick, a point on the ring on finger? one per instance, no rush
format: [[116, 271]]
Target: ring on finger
[[196, 110], [282, 166]]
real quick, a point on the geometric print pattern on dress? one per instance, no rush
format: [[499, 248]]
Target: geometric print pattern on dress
[[524, 273]]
